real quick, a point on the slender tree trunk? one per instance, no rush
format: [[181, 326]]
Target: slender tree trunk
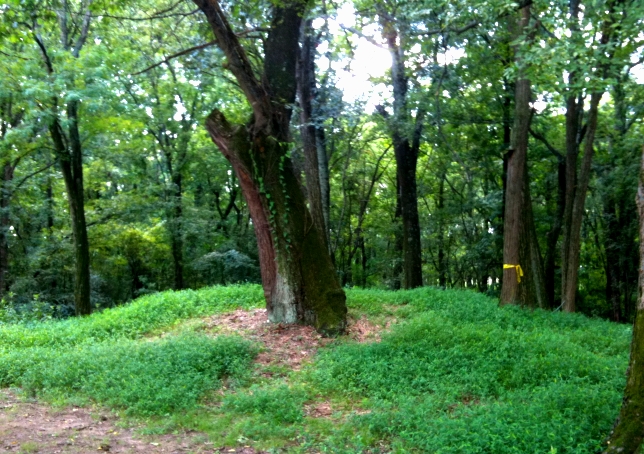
[[71, 161], [312, 165], [7, 177], [406, 150], [577, 184], [628, 435], [300, 283], [440, 206], [572, 244], [554, 234], [176, 228], [523, 279]]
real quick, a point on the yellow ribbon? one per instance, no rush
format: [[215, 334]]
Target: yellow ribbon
[[516, 267]]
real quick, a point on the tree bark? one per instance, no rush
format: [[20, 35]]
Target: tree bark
[[71, 162], [628, 435], [523, 278], [572, 239], [298, 277], [554, 234], [312, 164], [69, 151]]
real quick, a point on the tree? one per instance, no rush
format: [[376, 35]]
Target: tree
[[523, 279], [316, 163], [628, 435], [300, 284]]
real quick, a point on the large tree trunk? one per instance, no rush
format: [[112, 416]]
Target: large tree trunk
[[312, 151], [298, 277], [628, 434], [523, 279]]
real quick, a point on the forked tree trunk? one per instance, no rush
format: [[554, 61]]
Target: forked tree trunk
[[523, 278], [68, 149], [577, 182], [71, 163], [628, 435], [298, 277]]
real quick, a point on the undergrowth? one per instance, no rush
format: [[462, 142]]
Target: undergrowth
[[455, 374]]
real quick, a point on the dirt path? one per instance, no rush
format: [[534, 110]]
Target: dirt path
[[30, 427]]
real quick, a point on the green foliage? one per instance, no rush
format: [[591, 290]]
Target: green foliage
[[144, 378], [281, 404], [105, 358], [143, 316]]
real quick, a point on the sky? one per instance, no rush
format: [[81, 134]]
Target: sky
[[370, 61]]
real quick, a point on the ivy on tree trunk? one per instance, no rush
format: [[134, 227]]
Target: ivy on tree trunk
[[299, 280]]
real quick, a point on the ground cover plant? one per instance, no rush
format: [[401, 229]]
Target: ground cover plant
[[452, 373]]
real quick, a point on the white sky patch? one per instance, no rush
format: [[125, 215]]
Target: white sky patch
[[354, 77], [180, 108], [148, 110]]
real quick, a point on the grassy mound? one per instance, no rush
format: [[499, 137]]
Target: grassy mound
[[455, 374], [464, 376], [105, 357]]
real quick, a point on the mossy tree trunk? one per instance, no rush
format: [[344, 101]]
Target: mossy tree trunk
[[299, 280], [628, 434]]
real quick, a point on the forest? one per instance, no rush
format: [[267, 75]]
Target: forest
[[455, 183]]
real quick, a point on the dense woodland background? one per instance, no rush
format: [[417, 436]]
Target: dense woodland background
[[102, 107]]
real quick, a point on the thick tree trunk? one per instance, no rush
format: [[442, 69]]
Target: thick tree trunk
[[298, 277], [523, 279], [299, 281], [628, 434], [312, 165]]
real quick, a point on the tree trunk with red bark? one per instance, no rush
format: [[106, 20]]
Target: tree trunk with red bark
[[298, 277], [523, 277]]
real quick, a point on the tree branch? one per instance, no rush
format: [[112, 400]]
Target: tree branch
[[238, 61], [178, 54], [543, 140]]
